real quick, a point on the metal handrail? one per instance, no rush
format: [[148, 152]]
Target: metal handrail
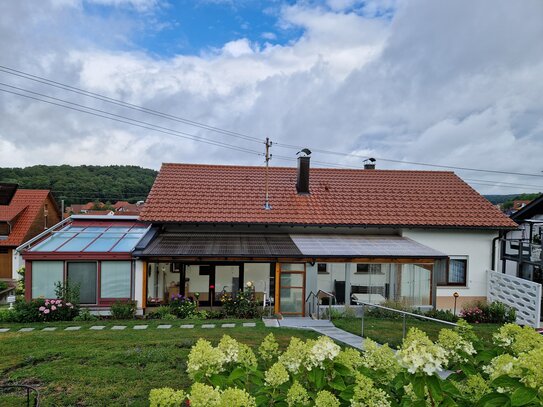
[[403, 313], [28, 390]]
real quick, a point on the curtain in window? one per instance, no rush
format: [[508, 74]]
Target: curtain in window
[[115, 279], [85, 276], [457, 272], [44, 276]]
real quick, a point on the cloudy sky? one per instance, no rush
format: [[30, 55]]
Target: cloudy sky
[[452, 83]]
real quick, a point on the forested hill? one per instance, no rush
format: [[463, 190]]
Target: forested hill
[[80, 184]]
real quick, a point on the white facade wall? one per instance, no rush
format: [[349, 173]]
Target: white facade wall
[[138, 285], [475, 246]]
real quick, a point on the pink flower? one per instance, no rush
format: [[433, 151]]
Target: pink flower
[[60, 305], [46, 311], [46, 302], [53, 308], [69, 304], [42, 309], [59, 302]]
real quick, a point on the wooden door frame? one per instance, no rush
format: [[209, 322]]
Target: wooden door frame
[[278, 288]]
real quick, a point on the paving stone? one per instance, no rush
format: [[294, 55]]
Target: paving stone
[[118, 327], [208, 326], [249, 324], [73, 328], [50, 328], [4, 329], [97, 327], [187, 326], [164, 327], [228, 325], [26, 329], [140, 327], [270, 322]]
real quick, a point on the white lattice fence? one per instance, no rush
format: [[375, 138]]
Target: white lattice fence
[[522, 295]]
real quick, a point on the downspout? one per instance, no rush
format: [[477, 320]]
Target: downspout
[[493, 260]]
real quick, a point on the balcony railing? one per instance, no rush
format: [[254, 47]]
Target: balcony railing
[[521, 250]]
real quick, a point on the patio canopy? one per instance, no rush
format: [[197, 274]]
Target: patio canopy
[[254, 245]]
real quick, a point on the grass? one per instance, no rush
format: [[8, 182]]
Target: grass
[[383, 330], [110, 368]]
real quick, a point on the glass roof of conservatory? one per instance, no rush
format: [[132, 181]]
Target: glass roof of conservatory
[[86, 239]]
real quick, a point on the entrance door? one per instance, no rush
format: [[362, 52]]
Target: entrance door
[[291, 288], [85, 275]]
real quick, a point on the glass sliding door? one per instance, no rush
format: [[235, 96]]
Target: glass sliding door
[[292, 288], [85, 276]]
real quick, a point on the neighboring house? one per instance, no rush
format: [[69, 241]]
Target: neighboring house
[[519, 204], [24, 213], [520, 250], [123, 206], [92, 251], [357, 235]]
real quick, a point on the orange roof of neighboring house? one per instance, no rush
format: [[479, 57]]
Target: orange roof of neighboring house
[[26, 204], [98, 212], [235, 194], [89, 205], [121, 204]]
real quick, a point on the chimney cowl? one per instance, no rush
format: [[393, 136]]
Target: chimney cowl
[[302, 179], [369, 164]]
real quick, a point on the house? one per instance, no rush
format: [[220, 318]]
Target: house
[[520, 249], [346, 236], [518, 204], [24, 213]]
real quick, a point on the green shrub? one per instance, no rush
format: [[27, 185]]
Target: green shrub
[[3, 286], [181, 306], [8, 315], [443, 315], [123, 309], [382, 313], [161, 312], [243, 305], [85, 315], [481, 311]]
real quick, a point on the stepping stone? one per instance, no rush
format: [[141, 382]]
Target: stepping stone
[[97, 327], [187, 326], [228, 325], [73, 328], [164, 327], [50, 328], [140, 327], [206, 326], [26, 329], [118, 327], [249, 324], [4, 329]]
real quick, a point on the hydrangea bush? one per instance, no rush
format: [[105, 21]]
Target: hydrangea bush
[[319, 373]]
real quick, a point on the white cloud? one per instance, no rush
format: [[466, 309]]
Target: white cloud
[[455, 83]]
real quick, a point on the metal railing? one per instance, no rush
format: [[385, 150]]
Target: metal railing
[[28, 389], [317, 297], [404, 316]]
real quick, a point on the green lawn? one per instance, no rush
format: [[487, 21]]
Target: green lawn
[[389, 331], [110, 368]]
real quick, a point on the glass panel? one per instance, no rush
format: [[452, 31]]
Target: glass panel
[[126, 244], [292, 279], [84, 274], [292, 266], [104, 243], [53, 242], [259, 275], [415, 284], [226, 280], [44, 276], [371, 283], [197, 282], [115, 279], [79, 242], [333, 281], [291, 300]]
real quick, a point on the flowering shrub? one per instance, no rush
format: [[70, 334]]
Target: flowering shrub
[[243, 305], [318, 373], [57, 310], [182, 307], [494, 312]]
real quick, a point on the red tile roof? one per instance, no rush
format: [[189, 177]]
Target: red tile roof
[[235, 194], [26, 203]]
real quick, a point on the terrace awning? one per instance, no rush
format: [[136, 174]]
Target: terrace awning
[[255, 245]]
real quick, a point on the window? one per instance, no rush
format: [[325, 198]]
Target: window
[[368, 268], [456, 275], [322, 268], [115, 279], [45, 274]]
